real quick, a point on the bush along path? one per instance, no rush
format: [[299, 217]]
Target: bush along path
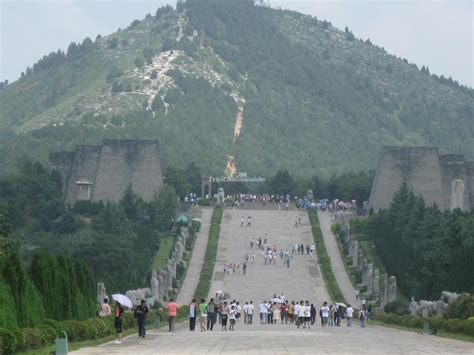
[[207, 271], [324, 259]]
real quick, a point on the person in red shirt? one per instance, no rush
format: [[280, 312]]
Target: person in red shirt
[[118, 320], [172, 309]]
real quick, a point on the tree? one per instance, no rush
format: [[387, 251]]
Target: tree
[[139, 62], [15, 276], [164, 205], [129, 204], [282, 183]]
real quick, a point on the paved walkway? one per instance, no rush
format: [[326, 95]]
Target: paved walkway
[[197, 257], [302, 281], [285, 339], [337, 265]]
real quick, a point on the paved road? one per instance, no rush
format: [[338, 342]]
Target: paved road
[[195, 265], [337, 265], [281, 339], [302, 281]]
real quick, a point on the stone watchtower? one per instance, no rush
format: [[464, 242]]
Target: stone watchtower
[[446, 180], [103, 172]]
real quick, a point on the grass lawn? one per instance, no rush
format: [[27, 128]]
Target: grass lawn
[[162, 255]]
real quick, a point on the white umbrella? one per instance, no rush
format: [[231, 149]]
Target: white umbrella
[[123, 300], [277, 300]]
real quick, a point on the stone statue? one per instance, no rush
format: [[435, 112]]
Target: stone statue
[[154, 285], [440, 306], [370, 278], [449, 297], [376, 284], [355, 254], [364, 270], [392, 289], [220, 196], [101, 294], [412, 308]]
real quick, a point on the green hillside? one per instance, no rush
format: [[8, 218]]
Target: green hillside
[[314, 99]]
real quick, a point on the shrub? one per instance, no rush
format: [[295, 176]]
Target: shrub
[[397, 307], [11, 340], [462, 308], [196, 226]]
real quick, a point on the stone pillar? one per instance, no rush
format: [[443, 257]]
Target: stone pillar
[[376, 285], [355, 256], [101, 294], [370, 278], [392, 289], [154, 285], [384, 293], [365, 270]]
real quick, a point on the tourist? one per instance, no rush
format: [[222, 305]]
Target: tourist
[[291, 310], [118, 321], [224, 315], [263, 310], [307, 315], [324, 314], [312, 314], [192, 315], [242, 221], [244, 309], [105, 309], [369, 313], [202, 311], [276, 313], [339, 315], [332, 312], [172, 309], [211, 314], [301, 314], [140, 313], [349, 314], [362, 316], [356, 292], [232, 316], [250, 311], [283, 310], [244, 268]]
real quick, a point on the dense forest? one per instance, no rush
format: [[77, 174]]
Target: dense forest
[[314, 98], [428, 250], [51, 287], [116, 240]]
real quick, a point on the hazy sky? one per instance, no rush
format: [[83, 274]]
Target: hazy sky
[[429, 32]]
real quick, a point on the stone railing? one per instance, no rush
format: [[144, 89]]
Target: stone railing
[[381, 286], [161, 283]]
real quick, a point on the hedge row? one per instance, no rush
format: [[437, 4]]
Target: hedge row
[[455, 326], [204, 283], [15, 339], [323, 259]]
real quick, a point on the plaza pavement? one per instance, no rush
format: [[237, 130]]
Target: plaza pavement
[[284, 339], [301, 281]]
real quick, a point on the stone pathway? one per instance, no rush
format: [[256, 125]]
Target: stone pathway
[[285, 339], [195, 265], [336, 261], [302, 281]]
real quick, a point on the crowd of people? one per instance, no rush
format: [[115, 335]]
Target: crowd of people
[[278, 310]]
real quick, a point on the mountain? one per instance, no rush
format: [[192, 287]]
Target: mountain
[[231, 85]]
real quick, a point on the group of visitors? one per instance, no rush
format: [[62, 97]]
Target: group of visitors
[[231, 269]]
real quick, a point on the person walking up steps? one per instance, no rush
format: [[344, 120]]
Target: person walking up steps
[[250, 312], [192, 315], [211, 314], [232, 315], [224, 315], [349, 313], [172, 309], [140, 313], [324, 314], [202, 310]]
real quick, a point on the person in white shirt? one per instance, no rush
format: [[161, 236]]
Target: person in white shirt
[[324, 314], [307, 315], [244, 309], [250, 310], [301, 309], [349, 313], [262, 308], [232, 314]]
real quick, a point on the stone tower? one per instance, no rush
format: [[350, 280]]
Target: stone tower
[[103, 172], [446, 180]]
